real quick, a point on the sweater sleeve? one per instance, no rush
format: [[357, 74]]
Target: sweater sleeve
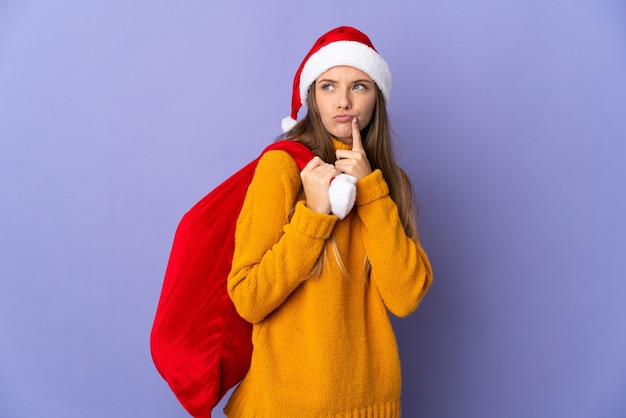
[[272, 256], [401, 270]]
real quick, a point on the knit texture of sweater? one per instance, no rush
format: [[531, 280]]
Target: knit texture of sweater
[[323, 345]]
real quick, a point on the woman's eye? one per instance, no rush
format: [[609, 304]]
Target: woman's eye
[[360, 87], [327, 86]]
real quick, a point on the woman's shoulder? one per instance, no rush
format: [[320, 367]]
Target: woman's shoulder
[[277, 166]]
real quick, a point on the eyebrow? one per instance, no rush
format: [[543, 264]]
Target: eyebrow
[[328, 80]]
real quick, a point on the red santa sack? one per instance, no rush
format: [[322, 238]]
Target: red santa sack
[[199, 344]]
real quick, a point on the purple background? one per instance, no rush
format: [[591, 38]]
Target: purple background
[[116, 116]]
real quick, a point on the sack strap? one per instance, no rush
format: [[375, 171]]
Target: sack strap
[[298, 151]]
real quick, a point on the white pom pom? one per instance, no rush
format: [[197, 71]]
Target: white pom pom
[[288, 123], [342, 194]]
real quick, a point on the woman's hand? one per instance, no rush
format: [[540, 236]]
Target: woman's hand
[[354, 162], [316, 177]]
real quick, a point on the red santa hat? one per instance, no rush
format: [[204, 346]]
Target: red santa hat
[[341, 46]]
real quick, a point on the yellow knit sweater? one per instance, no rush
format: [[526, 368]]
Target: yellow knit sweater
[[323, 346]]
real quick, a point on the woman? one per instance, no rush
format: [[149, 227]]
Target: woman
[[318, 289]]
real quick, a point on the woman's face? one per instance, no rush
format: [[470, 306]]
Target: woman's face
[[341, 94]]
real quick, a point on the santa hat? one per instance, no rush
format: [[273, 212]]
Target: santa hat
[[341, 46]]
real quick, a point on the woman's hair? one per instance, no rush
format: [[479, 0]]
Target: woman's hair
[[376, 138]]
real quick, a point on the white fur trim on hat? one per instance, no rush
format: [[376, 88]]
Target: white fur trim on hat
[[350, 53]]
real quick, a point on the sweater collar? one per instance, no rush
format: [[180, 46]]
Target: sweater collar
[[340, 145]]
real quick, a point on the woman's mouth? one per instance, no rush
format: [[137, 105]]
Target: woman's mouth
[[343, 118]]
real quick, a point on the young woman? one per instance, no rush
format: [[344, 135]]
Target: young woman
[[317, 288]]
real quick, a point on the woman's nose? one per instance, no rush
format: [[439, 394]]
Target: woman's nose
[[344, 100]]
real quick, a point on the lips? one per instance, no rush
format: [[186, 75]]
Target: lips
[[343, 117]]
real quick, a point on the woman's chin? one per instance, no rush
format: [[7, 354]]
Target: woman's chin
[[344, 137]]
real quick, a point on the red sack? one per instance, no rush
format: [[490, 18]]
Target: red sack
[[199, 344]]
